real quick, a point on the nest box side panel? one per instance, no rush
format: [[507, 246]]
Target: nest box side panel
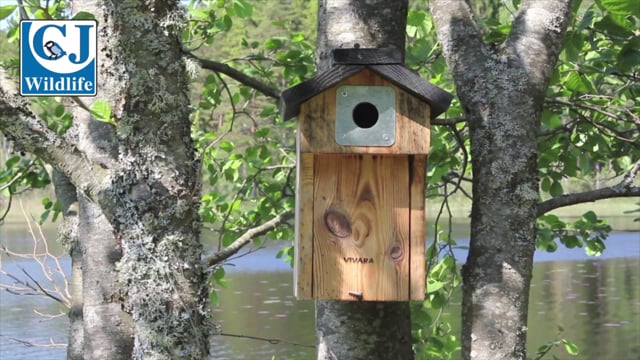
[[317, 121], [417, 261], [303, 260], [361, 227]]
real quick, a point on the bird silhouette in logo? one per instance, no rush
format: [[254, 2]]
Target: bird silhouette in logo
[[54, 50]]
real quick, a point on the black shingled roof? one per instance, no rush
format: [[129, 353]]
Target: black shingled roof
[[385, 62]]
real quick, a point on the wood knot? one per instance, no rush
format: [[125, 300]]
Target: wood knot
[[337, 223], [395, 252]]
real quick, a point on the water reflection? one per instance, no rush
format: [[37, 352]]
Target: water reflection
[[597, 301], [261, 304]]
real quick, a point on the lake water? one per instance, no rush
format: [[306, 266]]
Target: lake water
[[596, 301]]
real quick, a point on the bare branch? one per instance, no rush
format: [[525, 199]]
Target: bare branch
[[243, 240], [242, 78], [269, 340], [449, 121], [42, 290], [30, 344], [597, 109], [622, 189], [50, 269], [23, 12]]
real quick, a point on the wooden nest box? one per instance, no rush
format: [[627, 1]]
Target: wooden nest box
[[363, 139]]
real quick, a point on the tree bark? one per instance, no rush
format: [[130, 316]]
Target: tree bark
[[139, 186], [372, 330], [108, 331], [501, 90], [68, 236], [153, 197]]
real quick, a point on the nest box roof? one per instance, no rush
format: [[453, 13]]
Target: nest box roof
[[385, 62]]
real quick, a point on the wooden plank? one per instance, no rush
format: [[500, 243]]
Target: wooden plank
[[365, 56], [361, 227], [409, 81], [317, 121], [417, 260], [303, 260]]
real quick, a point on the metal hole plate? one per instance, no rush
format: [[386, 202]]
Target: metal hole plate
[[382, 133]]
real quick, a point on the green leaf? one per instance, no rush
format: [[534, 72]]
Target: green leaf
[[437, 300], [578, 83], [573, 46], [610, 26], [433, 286], [101, 111], [44, 216], [571, 241], [6, 10], [226, 146], [47, 203], [595, 247], [556, 189], [416, 18], [272, 43], [83, 15], [621, 7], [571, 348], [213, 298], [12, 161], [242, 8], [297, 37], [629, 56], [59, 110], [219, 273], [590, 216], [41, 15]]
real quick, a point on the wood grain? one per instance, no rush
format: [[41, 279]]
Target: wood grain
[[370, 255], [303, 260], [417, 262], [317, 121]]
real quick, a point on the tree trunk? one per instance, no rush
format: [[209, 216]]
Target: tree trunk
[[152, 199], [68, 236], [501, 90], [357, 330], [141, 241], [107, 329]]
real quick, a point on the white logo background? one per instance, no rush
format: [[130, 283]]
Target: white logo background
[[70, 43]]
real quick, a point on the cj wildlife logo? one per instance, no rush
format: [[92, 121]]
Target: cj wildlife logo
[[58, 57]]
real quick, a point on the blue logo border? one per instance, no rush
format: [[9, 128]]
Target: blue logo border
[[95, 62]]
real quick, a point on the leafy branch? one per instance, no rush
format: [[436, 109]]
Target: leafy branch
[[624, 188], [243, 240], [20, 125], [237, 75]]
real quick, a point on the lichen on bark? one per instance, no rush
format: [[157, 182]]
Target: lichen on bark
[[501, 88], [153, 192]]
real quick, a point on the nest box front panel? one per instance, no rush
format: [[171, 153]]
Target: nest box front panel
[[361, 227], [364, 114]]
